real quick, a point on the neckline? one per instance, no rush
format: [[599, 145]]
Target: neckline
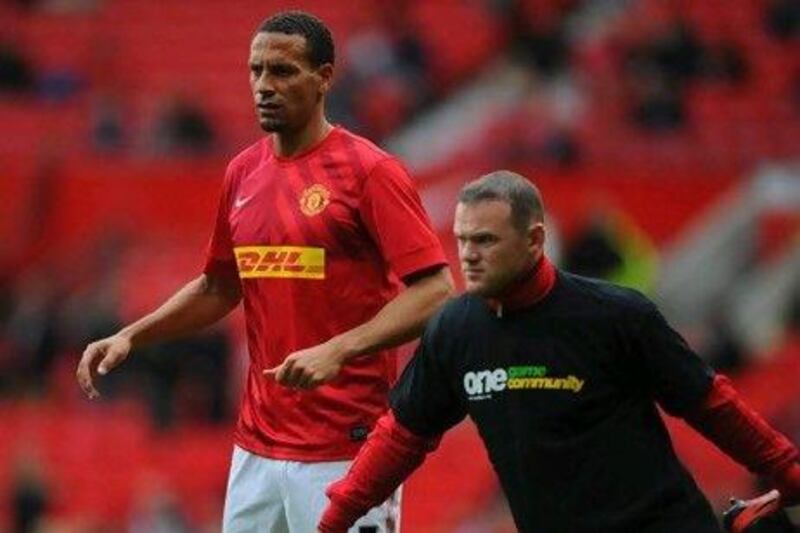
[[527, 291], [311, 150]]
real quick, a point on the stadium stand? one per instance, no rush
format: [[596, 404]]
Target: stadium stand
[[85, 200]]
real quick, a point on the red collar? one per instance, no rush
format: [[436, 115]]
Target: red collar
[[530, 288]]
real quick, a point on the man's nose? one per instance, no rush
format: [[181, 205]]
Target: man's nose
[[470, 254], [266, 93], [264, 87]]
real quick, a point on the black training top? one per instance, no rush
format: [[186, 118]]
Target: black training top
[[564, 396]]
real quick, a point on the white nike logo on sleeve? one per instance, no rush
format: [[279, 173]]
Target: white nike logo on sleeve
[[239, 202]]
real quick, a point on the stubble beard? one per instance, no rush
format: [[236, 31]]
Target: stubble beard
[[272, 126]]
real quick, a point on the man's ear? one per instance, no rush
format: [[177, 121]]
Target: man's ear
[[536, 237], [325, 73]]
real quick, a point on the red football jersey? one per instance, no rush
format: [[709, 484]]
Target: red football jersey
[[319, 243]]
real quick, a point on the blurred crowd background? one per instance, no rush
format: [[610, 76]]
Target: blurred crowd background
[[664, 134]]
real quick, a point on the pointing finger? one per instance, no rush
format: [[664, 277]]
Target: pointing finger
[[272, 372]]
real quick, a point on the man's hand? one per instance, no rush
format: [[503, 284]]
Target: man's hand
[[101, 357], [309, 368], [762, 514]]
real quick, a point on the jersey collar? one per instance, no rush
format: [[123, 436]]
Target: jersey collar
[[529, 289]]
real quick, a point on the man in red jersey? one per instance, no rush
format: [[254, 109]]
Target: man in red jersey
[[315, 229]]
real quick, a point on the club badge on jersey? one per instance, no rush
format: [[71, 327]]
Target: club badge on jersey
[[314, 200]]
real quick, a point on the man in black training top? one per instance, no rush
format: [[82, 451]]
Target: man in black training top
[[562, 375]]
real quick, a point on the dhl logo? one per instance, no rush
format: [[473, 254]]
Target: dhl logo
[[280, 262]]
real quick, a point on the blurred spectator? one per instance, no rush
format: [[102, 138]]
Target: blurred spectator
[[16, 73], [157, 509], [676, 53], [59, 6], [562, 148], [30, 494], [722, 350], [370, 53], [6, 299], [725, 63], [528, 142], [539, 37], [794, 94], [613, 248], [783, 19], [107, 124], [33, 333], [57, 85], [386, 80], [545, 50], [43, 191], [657, 106], [793, 313], [384, 105], [412, 60], [182, 127], [542, 132], [187, 377], [27, 4], [593, 253], [659, 69]]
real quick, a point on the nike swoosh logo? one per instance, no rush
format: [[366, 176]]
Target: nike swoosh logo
[[239, 202]]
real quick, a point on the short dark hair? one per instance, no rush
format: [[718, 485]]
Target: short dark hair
[[317, 35], [506, 186]]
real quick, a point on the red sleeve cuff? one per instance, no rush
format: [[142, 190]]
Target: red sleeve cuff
[[340, 513], [219, 267], [388, 457], [418, 260]]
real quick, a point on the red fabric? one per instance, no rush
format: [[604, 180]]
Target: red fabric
[[733, 426], [787, 482], [349, 224], [389, 456], [529, 288]]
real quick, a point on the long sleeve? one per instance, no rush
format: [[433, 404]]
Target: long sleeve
[[726, 420], [389, 456]]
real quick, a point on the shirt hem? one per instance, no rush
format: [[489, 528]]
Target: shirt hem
[[286, 454]]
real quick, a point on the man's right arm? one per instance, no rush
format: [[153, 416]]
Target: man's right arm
[[201, 302], [423, 407], [392, 452]]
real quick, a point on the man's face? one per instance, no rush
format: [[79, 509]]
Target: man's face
[[492, 252], [286, 88]]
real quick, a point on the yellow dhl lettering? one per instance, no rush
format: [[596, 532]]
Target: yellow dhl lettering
[[280, 262]]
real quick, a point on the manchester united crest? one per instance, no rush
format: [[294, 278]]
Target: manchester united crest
[[314, 200]]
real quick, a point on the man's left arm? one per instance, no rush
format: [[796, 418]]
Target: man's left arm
[[737, 429], [686, 387], [400, 320]]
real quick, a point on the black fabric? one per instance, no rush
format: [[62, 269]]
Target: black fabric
[[564, 395]]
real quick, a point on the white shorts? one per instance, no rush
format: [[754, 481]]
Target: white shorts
[[271, 496]]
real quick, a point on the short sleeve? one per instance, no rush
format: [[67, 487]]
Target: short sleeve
[[395, 219], [220, 258], [423, 399], [675, 375]]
